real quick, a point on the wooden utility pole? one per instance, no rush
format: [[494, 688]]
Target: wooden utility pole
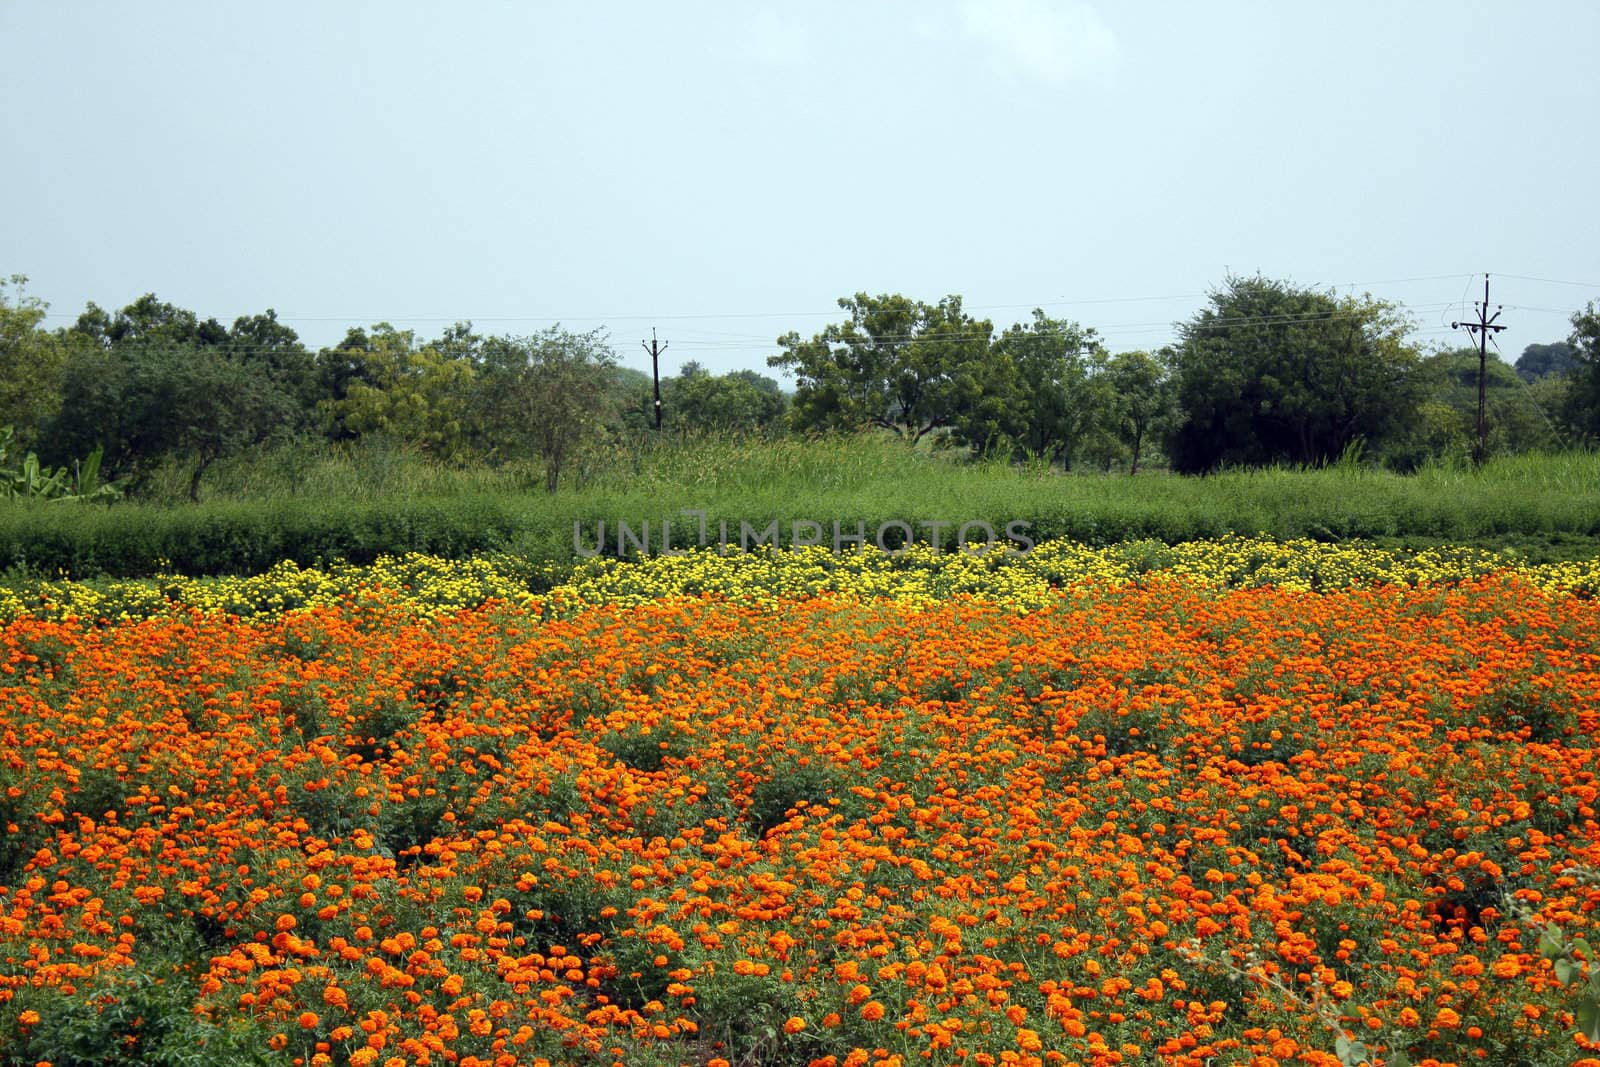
[[655, 368], [1482, 329]]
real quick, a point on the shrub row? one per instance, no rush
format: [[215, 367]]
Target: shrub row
[[247, 537], [132, 540]]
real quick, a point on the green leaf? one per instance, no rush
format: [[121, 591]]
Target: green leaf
[[1552, 943], [1399, 1059], [1564, 971], [1589, 1018], [1350, 1052]]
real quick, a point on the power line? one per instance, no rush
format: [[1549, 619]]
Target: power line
[[900, 340], [1529, 307], [1059, 302], [733, 342], [1552, 281]]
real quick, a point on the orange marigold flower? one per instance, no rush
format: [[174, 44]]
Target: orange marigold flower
[[1506, 967]]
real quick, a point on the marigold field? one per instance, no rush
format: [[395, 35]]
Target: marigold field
[[1226, 803]]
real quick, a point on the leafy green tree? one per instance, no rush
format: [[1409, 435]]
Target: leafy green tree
[[897, 363], [383, 382], [31, 361], [742, 401], [1271, 373], [1542, 361], [1516, 420], [1581, 409], [1438, 434], [262, 341], [632, 400], [1548, 395], [550, 394], [148, 321], [1143, 400], [144, 401], [154, 381], [259, 341], [1052, 402]]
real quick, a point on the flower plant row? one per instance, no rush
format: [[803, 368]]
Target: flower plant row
[[1022, 581], [1240, 805]]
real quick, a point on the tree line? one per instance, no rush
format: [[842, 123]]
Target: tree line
[[1266, 373], [154, 383]]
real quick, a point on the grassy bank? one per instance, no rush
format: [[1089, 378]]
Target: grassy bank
[[358, 506]]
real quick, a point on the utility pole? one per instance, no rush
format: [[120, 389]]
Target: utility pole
[[1482, 329], [655, 368]]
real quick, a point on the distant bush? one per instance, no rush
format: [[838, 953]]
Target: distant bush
[[1546, 506]]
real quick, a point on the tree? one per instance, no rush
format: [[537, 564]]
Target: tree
[[898, 364], [1517, 420], [550, 394], [1271, 373], [262, 341], [1581, 410], [1043, 394], [146, 400], [155, 380], [383, 382], [148, 321], [1540, 361], [31, 361], [697, 401], [1143, 403]]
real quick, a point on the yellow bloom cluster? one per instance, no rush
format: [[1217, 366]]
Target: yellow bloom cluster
[[431, 585], [918, 576], [922, 575]]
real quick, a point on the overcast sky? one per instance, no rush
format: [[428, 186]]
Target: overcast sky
[[725, 172]]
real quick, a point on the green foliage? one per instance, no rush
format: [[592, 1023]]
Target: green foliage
[[30, 362], [549, 395], [1581, 410], [898, 364], [1543, 361], [1143, 400], [236, 537], [1575, 965], [384, 383], [30, 481], [142, 401], [698, 402], [647, 749], [1042, 392], [307, 505], [794, 783], [1271, 373], [1518, 416], [264, 343], [147, 321]]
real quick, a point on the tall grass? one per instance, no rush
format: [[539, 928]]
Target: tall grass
[[306, 503]]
